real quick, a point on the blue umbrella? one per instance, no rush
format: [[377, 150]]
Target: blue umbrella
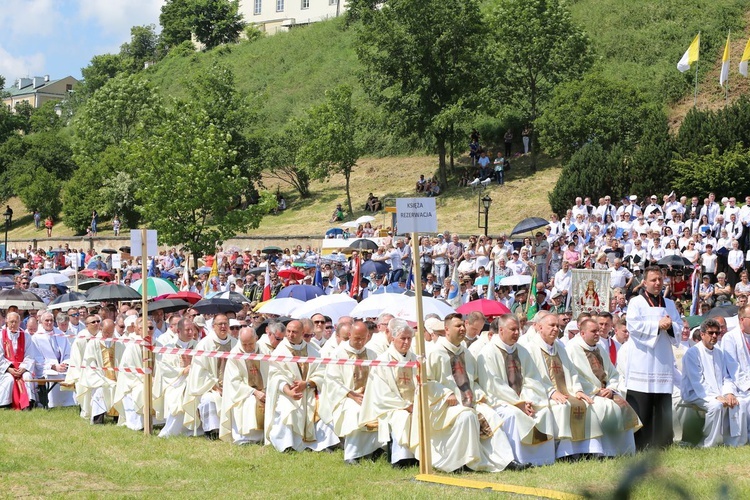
[[203, 270], [301, 292], [371, 266], [529, 224], [334, 231], [168, 276]]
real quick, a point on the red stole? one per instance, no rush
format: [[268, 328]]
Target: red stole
[[20, 395]]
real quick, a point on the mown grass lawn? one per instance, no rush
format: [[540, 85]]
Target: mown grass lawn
[[56, 454]]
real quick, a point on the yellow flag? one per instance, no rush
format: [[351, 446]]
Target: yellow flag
[[691, 54], [745, 59], [724, 76], [213, 274]]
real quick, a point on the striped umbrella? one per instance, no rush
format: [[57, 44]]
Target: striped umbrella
[[154, 287]]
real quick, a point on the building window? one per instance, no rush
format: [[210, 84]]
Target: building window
[[305, 4], [279, 5], [257, 7]]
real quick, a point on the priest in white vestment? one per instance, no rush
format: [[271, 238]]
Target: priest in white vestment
[[98, 381], [292, 421], [17, 359], [128, 399], [600, 380], [92, 324], [205, 381], [577, 427], [706, 383], [655, 326], [343, 330], [342, 395], [736, 348], [275, 332], [465, 430], [381, 339], [512, 383], [54, 357], [389, 399], [243, 404], [172, 373]]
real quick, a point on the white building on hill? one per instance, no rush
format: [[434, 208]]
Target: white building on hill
[[273, 16]]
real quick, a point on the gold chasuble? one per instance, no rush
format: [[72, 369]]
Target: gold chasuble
[[108, 363], [629, 417], [577, 407], [255, 380]]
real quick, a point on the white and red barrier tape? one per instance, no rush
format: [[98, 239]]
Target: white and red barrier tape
[[140, 371], [126, 340], [284, 359]]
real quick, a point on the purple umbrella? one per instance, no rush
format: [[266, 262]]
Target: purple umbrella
[[301, 292]]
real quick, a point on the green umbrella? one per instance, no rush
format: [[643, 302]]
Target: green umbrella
[[155, 287], [694, 321]]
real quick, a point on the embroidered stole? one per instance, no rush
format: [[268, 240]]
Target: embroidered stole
[[629, 417], [577, 407], [20, 397], [255, 380]]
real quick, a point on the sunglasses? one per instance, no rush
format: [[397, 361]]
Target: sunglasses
[[150, 327], [234, 327], [94, 322]]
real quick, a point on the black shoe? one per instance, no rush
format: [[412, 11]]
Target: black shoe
[[6, 407], [212, 435], [517, 466], [351, 461], [98, 419], [32, 405], [406, 463], [377, 454]]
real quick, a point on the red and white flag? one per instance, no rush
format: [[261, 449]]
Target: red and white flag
[[185, 280], [356, 278], [267, 286]]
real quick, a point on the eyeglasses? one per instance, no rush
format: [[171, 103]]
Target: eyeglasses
[[712, 334], [221, 324], [307, 335], [329, 327], [319, 322], [234, 327], [94, 322], [150, 327], [74, 315]]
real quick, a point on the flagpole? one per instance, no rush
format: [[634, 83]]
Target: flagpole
[[729, 64], [695, 94]]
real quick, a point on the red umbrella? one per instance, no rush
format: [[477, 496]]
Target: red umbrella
[[97, 273], [489, 308], [191, 297], [292, 273]]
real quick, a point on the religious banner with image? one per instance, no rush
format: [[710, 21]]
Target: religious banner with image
[[590, 291]]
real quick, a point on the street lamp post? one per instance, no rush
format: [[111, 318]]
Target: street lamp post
[[8, 220], [486, 202]]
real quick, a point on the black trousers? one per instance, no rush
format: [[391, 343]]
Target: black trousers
[[655, 412]]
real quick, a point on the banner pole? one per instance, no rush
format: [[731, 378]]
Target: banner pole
[[425, 442], [147, 356]]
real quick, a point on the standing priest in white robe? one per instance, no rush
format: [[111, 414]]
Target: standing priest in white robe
[[98, 384], [128, 400], [342, 395], [465, 430], [292, 418], [205, 381], [54, 356], [600, 380], [654, 326], [17, 358], [172, 373], [92, 322], [577, 427], [509, 376], [389, 399], [706, 383], [736, 348], [243, 404]]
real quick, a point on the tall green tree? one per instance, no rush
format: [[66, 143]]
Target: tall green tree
[[536, 46], [176, 20], [188, 176], [217, 21], [330, 143], [39, 189], [279, 159], [592, 109], [422, 59], [141, 48], [100, 70], [647, 169], [121, 110]]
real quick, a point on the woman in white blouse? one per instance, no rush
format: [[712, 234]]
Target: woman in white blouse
[[735, 263]]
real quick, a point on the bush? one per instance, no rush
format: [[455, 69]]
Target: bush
[[725, 174]]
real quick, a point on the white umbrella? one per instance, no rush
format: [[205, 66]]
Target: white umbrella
[[351, 223], [334, 306], [516, 280], [282, 306], [51, 279], [364, 219], [373, 305], [69, 272], [408, 310]]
